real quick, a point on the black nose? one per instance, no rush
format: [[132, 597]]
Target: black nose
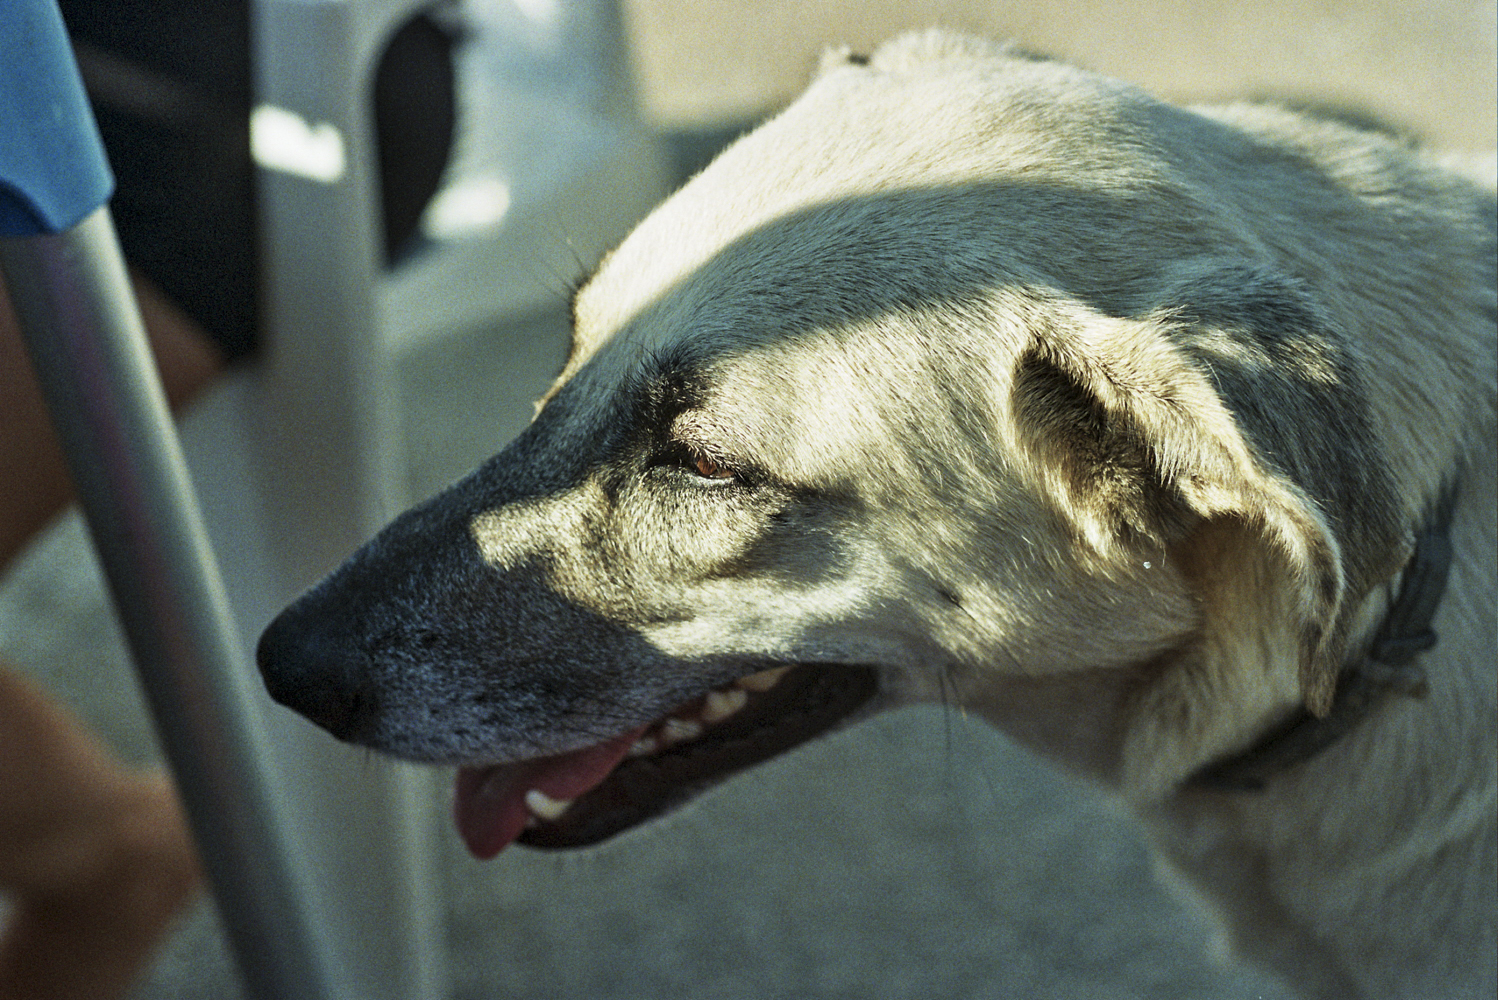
[[312, 666]]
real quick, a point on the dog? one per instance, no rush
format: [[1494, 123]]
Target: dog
[[1161, 438]]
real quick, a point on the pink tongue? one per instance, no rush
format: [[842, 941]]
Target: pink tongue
[[489, 807]]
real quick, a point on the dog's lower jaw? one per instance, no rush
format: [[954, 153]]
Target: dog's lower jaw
[[585, 796], [1077, 720]]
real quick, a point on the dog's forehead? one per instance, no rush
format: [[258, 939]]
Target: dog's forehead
[[828, 402], [857, 140]]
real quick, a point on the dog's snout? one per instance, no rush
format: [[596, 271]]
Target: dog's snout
[[311, 669]]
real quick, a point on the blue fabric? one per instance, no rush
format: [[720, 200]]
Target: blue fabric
[[52, 166]]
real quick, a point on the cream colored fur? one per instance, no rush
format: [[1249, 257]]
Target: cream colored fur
[[1368, 871], [1110, 421]]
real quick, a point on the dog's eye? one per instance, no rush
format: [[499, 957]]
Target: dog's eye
[[710, 468]]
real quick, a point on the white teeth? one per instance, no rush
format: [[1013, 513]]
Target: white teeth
[[719, 705], [762, 681], [714, 708], [544, 806], [676, 730]]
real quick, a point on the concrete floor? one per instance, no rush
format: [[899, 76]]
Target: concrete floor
[[919, 855]]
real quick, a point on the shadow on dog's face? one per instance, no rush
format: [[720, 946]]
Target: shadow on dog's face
[[704, 550], [701, 504], [871, 411]]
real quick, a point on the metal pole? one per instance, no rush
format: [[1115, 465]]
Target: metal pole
[[79, 320]]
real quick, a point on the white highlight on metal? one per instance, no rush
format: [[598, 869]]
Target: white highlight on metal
[[283, 140], [547, 12], [469, 206]]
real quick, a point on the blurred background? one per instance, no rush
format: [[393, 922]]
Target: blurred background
[[1427, 65], [919, 855]]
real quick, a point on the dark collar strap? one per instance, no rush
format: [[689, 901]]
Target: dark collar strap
[[1388, 667]]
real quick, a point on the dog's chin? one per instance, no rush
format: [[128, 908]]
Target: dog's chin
[[586, 796]]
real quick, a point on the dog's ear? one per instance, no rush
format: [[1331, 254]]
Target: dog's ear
[[1230, 429]]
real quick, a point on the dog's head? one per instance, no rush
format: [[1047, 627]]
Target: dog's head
[[967, 366]]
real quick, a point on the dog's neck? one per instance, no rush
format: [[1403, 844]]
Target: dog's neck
[[1387, 667]]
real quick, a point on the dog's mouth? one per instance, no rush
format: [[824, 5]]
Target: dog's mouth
[[585, 796]]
